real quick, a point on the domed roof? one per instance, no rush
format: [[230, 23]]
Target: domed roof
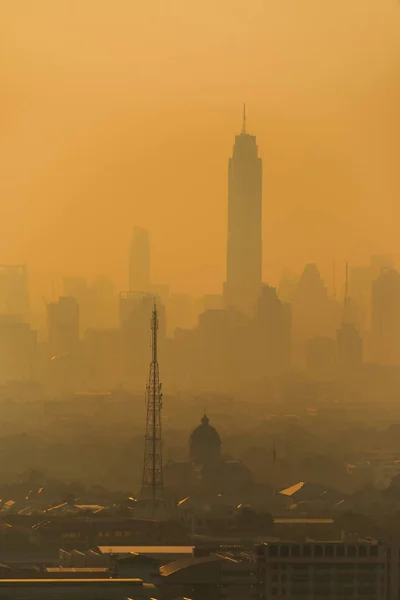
[[205, 433]]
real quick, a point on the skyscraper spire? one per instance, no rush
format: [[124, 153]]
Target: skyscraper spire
[[244, 119]]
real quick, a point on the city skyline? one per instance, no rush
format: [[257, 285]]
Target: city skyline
[[79, 144]]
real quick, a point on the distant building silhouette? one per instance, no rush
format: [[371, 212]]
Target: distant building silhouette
[[135, 311], [321, 358], [348, 339], [361, 280], [63, 326], [274, 329], [78, 288], [349, 349], [181, 312], [205, 444], [314, 313], [18, 350], [14, 291], [244, 250], [139, 261], [386, 318], [208, 471]]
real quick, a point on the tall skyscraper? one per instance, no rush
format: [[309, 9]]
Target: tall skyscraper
[[348, 340], [385, 320], [244, 252], [139, 261]]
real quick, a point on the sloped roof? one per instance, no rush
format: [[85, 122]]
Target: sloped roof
[[186, 567]]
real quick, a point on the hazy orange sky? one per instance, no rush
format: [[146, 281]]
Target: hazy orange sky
[[118, 113]]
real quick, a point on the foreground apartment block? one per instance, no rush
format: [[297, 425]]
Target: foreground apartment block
[[328, 570]]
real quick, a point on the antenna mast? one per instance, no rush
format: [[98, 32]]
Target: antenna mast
[[244, 119], [153, 483], [346, 294]]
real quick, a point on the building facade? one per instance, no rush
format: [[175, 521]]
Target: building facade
[[328, 570]]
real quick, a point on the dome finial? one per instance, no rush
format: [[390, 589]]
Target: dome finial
[[205, 420]]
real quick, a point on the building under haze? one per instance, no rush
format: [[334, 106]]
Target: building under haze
[[139, 261], [273, 325], [63, 326], [18, 350], [135, 311], [386, 318], [14, 293], [244, 250]]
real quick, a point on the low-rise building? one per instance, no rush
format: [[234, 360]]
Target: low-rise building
[[72, 589]]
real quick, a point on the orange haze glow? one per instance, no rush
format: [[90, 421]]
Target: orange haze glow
[[122, 113]]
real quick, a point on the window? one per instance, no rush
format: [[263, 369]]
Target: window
[[127, 533], [284, 550], [306, 550], [351, 551], [99, 534], [362, 551], [318, 551], [118, 534], [274, 591], [340, 550], [296, 551], [373, 551], [329, 550]]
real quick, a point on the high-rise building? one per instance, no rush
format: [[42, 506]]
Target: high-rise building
[[14, 294], [314, 313], [18, 350], [386, 318], [63, 326], [78, 288], [348, 339], [139, 261], [274, 331], [244, 251]]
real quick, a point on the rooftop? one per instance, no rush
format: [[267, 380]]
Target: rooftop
[[303, 521], [88, 582], [76, 570], [146, 549]]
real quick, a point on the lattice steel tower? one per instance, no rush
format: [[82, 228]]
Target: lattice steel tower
[[153, 484]]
